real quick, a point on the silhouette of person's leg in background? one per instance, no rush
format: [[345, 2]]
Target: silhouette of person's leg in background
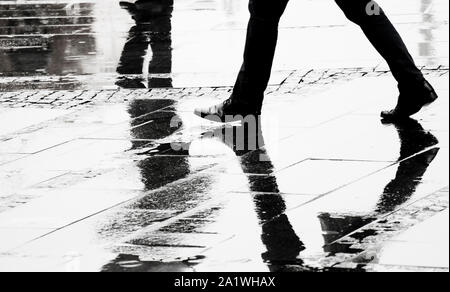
[[153, 30], [262, 34], [132, 58]]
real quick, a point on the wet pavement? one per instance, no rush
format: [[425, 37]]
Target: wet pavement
[[103, 166]]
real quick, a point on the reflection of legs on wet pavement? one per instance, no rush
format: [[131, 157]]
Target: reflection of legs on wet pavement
[[282, 243], [278, 236], [148, 125], [153, 29], [414, 139], [416, 155], [262, 34]]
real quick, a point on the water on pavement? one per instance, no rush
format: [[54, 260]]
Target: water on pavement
[[131, 180]]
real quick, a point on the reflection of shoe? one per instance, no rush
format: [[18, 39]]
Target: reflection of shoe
[[413, 137], [412, 99], [242, 139], [227, 111]]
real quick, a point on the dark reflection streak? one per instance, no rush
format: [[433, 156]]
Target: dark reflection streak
[[282, 243], [413, 139], [412, 166]]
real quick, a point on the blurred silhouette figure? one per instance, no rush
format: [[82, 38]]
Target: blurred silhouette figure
[[262, 34], [152, 30]]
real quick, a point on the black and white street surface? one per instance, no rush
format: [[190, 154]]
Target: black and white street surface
[[104, 167]]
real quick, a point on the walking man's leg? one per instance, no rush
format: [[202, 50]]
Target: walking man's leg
[[415, 91], [262, 36], [248, 93]]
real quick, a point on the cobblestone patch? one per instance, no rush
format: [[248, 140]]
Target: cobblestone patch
[[297, 82]]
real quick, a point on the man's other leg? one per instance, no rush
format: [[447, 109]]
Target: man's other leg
[[415, 91], [384, 37]]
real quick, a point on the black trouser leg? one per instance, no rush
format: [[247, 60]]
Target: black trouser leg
[[134, 51], [262, 36], [384, 37], [161, 46]]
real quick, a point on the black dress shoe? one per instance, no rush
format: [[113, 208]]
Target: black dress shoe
[[227, 111], [412, 99]]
